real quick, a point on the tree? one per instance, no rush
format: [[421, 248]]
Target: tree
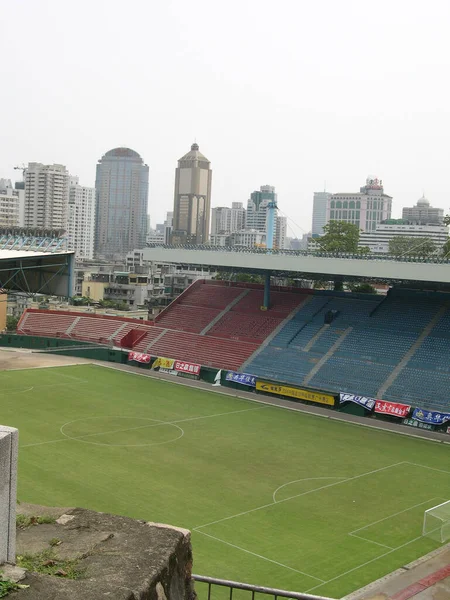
[[341, 237], [11, 323], [447, 220], [446, 249], [240, 277], [361, 288], [411, 246]]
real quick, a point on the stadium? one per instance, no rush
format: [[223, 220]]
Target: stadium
[[300, 434]]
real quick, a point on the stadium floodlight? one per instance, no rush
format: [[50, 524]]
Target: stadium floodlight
[[436, 522]]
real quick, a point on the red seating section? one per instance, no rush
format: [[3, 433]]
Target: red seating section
[[239, 326], [52, 325], [92, 329], [207, 351], [228, 344], [183, 317]]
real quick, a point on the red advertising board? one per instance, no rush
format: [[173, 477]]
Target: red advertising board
[[139, 357], [392, 408], [186, 367]]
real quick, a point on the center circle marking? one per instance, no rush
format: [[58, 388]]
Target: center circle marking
[[156, 422]]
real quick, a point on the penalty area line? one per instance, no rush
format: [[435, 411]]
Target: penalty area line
[[322, 487], [259, 556]]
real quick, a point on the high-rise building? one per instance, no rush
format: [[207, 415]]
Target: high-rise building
[[192, 198], [281, 232], [12, 205], [121, 189], [257, 213], [256, 216], [366, 209], [46, 196], [319, 217], [423, 213], [81, 221], [226, 220]]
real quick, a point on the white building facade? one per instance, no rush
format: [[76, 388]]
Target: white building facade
[[46, 196], [81, 220], [12, 205], [378, 241], [423, 213], [365, 209], [226, 220]]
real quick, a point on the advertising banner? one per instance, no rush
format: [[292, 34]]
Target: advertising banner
[[365, 401], [139, 357], [292, 392], [414, 423], [186, 367], [243, 378], [165, 363], [392, 408], [430, 416]]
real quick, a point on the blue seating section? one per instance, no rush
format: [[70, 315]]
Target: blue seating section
[[375, 334]]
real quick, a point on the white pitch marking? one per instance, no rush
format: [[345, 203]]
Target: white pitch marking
[[323, 487], [132, 428], [364, 564], [426, 467], [394, 515], [371, 541], [297, 480], [259, 556]]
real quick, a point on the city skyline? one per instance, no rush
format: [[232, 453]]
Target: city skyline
[[320, 99]]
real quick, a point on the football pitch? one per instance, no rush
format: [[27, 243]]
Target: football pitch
[[272, 496]]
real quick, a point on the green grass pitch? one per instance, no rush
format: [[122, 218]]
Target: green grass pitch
[[273, 497]]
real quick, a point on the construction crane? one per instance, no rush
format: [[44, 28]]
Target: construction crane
[[22, 168]]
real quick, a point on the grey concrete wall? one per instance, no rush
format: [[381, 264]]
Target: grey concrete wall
[[9, 440]]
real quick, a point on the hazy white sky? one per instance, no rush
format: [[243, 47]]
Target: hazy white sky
[[289, 93]]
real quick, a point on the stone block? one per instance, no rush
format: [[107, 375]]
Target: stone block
[[9, 440]]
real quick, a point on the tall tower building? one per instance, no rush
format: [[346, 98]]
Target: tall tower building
[[81, 221], [366, 209], [423, 213], [192, 201], [121, 189], [319, 217], [46, 196]]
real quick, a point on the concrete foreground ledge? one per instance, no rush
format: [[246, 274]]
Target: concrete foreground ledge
[[9, 443], [122, 559]]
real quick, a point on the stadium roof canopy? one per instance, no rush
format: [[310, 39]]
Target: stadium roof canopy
[[35, 262], [417, 272]]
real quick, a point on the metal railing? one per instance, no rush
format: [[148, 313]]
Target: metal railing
[[254, 589]]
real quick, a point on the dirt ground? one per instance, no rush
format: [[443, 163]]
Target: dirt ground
[[26, 359]]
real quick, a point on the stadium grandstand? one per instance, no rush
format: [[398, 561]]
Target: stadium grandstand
[[35, 261], [393, 347]]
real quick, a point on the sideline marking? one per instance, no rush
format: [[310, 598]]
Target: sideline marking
[[65, 438], [297, 480], [260, 556], [364, 564], [323, 487]]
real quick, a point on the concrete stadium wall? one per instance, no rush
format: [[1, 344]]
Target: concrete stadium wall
[[9, 441]]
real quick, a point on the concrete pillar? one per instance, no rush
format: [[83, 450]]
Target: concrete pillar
[[9, 441], [266, 304]]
